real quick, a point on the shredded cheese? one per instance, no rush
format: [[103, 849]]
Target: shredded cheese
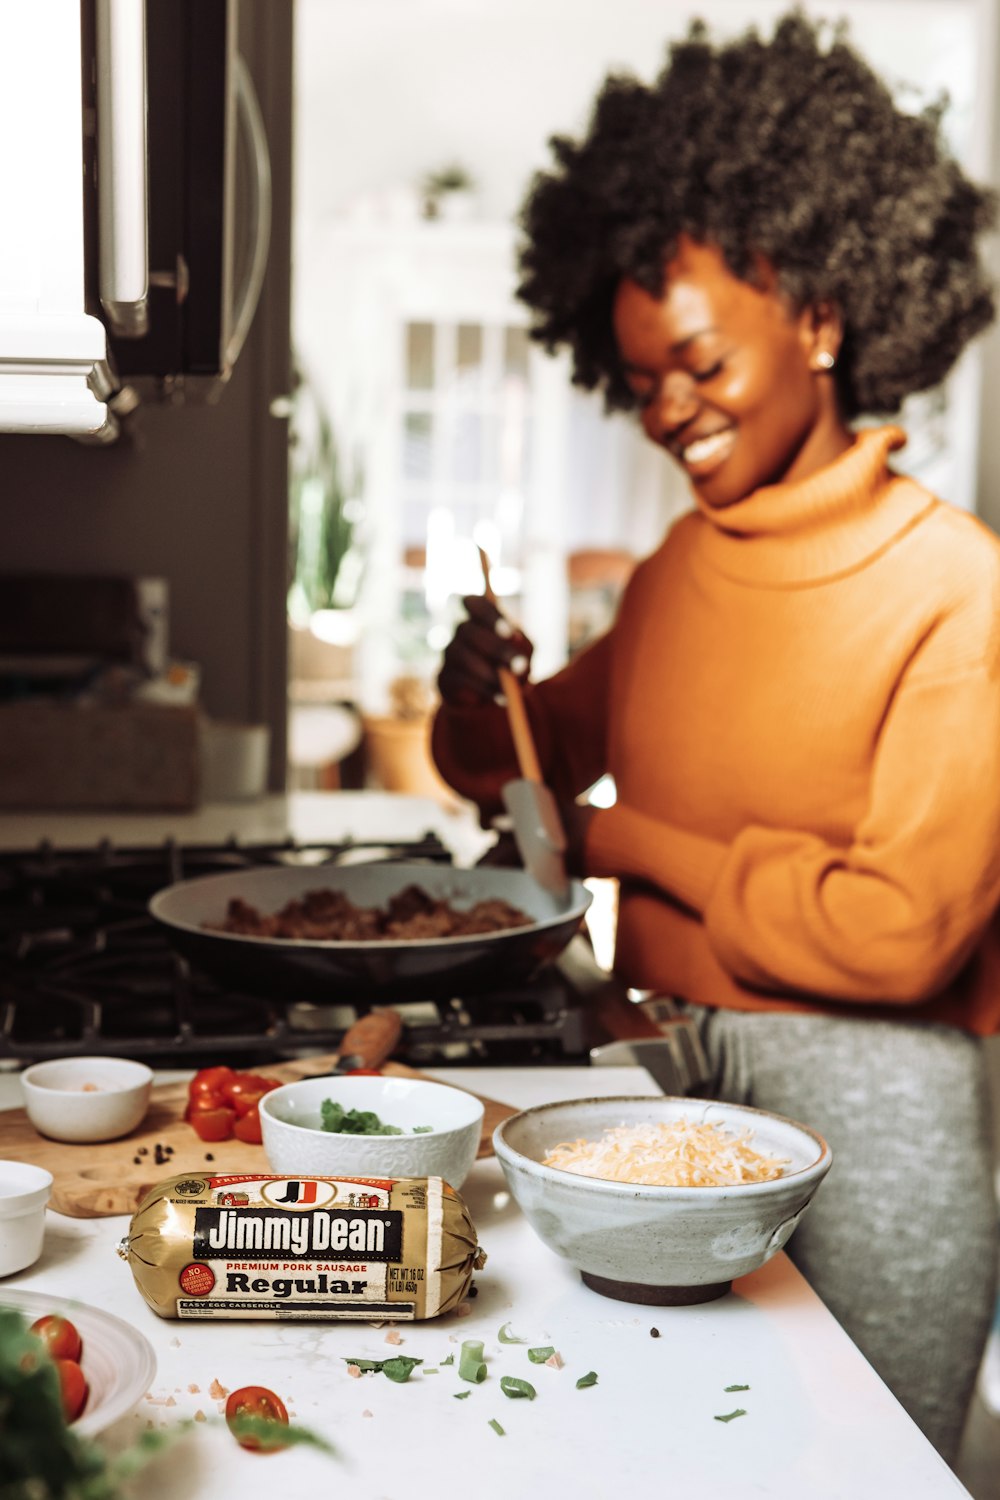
[[681, 1154]]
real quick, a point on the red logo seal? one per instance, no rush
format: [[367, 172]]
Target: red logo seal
[[197, 1280]]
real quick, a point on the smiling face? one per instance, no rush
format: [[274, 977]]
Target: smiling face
[[726, 376]]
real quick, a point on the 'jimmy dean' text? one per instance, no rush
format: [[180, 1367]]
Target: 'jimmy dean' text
[[374, 1235]]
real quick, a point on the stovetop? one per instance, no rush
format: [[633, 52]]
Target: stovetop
[[85, 969]]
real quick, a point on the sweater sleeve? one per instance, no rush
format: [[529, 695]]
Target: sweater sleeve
[[474, 752], [893, 916]]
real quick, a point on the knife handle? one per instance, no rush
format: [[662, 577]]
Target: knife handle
[[372, 1038]]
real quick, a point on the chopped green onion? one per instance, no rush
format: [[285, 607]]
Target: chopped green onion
[[589, 1379], [496, 1427], [509, 1338], [422, 1129], [512, 1387], [449, 1361], [471, 1365], [739, 1412], [430, 1369], [540, 1355], [737, 1387], [461, 1395]]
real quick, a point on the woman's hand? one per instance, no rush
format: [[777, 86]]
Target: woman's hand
[[483, 643]]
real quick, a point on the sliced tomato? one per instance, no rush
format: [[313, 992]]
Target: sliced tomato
[[246, 1127], [258, 1402], [213, 1124], [245, 1091], [59, 1336], [73, 1386]]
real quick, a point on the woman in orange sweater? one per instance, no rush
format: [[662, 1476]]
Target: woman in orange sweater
[[800, 699]]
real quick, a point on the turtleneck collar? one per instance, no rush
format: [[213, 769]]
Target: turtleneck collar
[[830, 523]]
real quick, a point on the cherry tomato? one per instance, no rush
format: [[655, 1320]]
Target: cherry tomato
[[210, 1080], [58, 1335], [213, 1124], [246, 1127], [74, 1388], [246, 1091], [256, 1401]]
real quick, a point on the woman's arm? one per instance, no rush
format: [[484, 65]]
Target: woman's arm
[[889, 918]]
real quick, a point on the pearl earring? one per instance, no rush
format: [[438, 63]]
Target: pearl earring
[[824, 360]]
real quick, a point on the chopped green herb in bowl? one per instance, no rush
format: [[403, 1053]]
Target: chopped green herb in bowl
[[360, 1121]]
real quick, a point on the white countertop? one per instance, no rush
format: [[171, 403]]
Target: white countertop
[[305, 816], [819, 1423]]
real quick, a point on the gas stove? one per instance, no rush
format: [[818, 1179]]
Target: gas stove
[[85, 969]]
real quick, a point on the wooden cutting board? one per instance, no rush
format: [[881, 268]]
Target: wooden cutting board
[[93, 1181]]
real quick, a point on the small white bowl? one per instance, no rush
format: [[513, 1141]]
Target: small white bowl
[[659, 1245], [295, 1141], [24, 1192], [86, 1099]]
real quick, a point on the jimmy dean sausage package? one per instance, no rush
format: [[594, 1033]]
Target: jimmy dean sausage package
[[302, 1247]]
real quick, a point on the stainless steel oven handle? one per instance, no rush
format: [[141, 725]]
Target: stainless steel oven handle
[[251, 124], [122, 166]]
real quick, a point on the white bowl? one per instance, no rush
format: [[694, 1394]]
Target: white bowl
[[294, 1140], [86, 1098], [24, 1192], [659, 1245]]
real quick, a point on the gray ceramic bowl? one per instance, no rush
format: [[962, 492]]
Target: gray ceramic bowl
[[294, 1140], [659, 1245]]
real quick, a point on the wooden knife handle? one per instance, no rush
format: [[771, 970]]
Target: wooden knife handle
[[372, 1038]]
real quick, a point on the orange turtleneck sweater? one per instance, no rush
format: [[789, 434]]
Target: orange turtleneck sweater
[[800, 705]]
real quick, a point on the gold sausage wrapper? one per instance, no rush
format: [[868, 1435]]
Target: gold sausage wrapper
[[302, 1247]]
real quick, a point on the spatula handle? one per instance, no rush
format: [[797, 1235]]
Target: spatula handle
[[517, 715]]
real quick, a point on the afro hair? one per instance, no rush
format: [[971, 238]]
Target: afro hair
[[791, 150]]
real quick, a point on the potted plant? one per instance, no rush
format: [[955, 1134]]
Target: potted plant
[[448, 193]]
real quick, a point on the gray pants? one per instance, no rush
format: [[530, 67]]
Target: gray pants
[[901, 1239]]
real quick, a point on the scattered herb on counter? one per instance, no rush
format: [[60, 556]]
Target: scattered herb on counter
[[429, 1370], [462, 1395], [589, 1379], [736, 1387], [398, 1369], [506, 1337], [739, 1412], [343, 1121], [540, 1355], [471, 1365], [496, 1427], [514, 1388], [449, 1361]]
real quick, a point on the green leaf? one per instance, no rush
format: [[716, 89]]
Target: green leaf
[[541, 1354], [496, 1427], [398, 1368], [589, 1379], [729, 1416], [272, 1434], [462, 1395], [514, 1388]]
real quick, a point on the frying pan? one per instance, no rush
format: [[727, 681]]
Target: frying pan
[[375, 972]]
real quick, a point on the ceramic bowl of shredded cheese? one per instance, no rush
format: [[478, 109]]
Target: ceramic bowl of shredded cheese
[[661, 1200]]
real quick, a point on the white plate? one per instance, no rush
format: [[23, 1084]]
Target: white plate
[[119, 1363]]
